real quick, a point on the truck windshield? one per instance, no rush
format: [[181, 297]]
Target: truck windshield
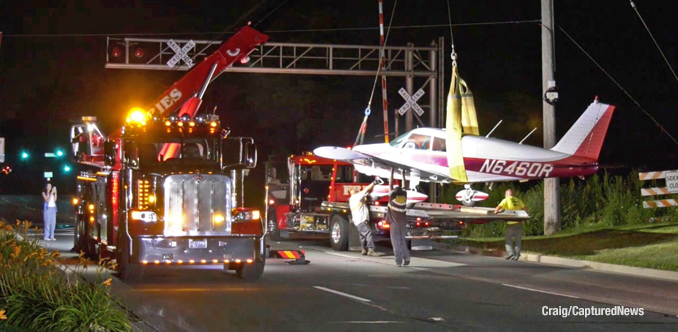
[[179, 151]]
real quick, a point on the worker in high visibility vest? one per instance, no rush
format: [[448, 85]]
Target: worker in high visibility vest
[[514, 229], [397, 219]]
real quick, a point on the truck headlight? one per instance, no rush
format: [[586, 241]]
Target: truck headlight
[[247, 215], [145, 216]]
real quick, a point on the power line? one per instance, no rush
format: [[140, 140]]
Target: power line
[[619, 86], [267, 31], [654, 40]]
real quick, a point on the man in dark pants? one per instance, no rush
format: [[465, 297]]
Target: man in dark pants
[[361, 218], [397, 218]]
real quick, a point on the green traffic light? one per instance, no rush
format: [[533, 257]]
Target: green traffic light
[[67, 168], [59, 153], [24, 155]]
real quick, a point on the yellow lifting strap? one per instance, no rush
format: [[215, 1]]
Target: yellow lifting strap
[[461, 117], [469, 120]]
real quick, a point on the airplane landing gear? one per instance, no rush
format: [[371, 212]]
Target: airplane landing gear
[[468, 196]]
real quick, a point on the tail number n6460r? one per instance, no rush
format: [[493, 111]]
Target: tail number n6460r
[[517, 168]]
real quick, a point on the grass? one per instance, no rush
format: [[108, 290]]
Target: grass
[[663, 256], [650, 246]]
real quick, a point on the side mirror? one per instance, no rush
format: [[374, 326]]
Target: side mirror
[[131, 155], [109, 153], [238, 152], [249, 153]]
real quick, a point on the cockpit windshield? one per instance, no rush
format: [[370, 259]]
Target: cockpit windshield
[[396, 142]]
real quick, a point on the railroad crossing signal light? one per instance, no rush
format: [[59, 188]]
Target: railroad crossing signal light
[[139, 52], [67, 168]]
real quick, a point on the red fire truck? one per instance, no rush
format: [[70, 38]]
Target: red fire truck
[[163, 190], [309, 194]]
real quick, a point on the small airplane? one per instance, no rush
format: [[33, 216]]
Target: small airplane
[[425, 154]]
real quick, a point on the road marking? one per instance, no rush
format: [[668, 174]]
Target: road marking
[[342, 294], [369, 322], [335, 254], [429, 263], [540, 291]]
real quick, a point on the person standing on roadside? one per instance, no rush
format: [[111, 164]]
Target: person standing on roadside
[[397, 219], [513, 228], [49, 211], [361, 218]]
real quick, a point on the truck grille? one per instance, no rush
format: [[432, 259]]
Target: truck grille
[[197, 204]]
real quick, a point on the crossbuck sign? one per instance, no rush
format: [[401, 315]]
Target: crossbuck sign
[[411, 101], [181, 53]]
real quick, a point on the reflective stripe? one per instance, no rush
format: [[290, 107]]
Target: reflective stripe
[[391, 206]]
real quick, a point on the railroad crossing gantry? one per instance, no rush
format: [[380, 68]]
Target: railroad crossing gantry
[[418, 65]]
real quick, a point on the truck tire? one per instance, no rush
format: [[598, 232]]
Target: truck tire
[[128, 271], [79, 241], [273, 230], [250, 271], [339, 233]]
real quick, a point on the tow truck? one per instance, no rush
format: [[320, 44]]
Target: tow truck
[[163, 190], [309, 194]]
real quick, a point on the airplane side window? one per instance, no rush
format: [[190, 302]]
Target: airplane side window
[[439, 144], [421, 142]]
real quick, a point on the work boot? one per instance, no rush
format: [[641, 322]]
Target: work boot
[[364, 252], [373, 253]]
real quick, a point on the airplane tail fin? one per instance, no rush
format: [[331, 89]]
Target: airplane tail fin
[[585, 138]]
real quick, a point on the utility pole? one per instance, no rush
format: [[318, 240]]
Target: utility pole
[[552, 185]]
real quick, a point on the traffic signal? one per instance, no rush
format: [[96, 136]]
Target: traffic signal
[[24, 155], [59, 153], [67, 168]]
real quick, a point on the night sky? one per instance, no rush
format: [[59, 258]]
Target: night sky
[[52, 61]]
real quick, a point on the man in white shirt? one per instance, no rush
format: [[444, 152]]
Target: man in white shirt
[[361, 218]]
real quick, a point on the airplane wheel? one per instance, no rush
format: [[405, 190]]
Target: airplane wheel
[[469, 203]]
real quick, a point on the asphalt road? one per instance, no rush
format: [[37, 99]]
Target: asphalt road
[[439, 291], [29, 208]]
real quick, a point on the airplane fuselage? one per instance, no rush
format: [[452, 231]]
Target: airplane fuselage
[[485, 159]]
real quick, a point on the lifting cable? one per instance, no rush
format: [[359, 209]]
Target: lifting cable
[[453, 55], [618, 85], [363, 127], [633, 5]]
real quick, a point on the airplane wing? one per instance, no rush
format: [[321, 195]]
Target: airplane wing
[[378, 166]]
